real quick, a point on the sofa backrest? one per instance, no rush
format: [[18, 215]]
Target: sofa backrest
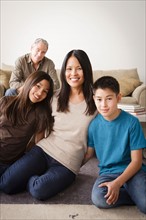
[[117, 73], [127, 78]]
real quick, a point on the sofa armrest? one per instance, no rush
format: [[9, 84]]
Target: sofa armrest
[[140, 95]]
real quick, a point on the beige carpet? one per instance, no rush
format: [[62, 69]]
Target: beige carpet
[[67, 212]]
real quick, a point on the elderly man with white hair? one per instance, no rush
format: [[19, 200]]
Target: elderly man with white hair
[[30, 62]]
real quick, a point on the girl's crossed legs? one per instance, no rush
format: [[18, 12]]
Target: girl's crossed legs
[[42, 175]]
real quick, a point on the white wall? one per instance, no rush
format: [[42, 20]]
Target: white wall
[[111, 32]]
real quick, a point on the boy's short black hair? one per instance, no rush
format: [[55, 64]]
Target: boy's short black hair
[[107, 82]]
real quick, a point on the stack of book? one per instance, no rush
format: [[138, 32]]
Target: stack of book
[[133, 109]]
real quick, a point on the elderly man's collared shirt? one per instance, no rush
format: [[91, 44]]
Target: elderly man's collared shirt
[[24, 67]]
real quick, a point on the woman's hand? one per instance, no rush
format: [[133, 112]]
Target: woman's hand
[[88, 155]]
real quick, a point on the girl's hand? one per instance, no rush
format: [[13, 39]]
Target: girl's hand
[[112, 193]]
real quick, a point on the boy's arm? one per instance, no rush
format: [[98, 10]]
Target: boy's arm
[[114, 186], [132, 168], [89, 154]]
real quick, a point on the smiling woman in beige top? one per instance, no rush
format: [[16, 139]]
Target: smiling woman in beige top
[[61, 154]]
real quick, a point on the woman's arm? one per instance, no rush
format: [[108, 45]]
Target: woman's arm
[[89, 154], [35, 139], [39, 136]]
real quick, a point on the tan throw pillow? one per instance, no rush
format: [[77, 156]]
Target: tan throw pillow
[[5, 77], [127, 86]]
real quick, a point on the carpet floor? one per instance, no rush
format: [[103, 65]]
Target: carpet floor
[[67, 212], [73, 203]]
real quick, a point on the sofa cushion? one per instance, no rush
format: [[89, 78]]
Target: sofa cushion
[[5, 77], [2, 90], [127, 78], [117, 73], [127, 86]]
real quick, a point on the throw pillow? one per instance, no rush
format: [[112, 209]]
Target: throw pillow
[[5, 77], [127, 86]]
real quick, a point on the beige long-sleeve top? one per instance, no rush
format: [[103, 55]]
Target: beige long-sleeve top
[[68, 142]]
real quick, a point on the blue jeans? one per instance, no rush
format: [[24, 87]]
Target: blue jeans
[[3, 168], [11, 92], [133, 192], [37, 172]]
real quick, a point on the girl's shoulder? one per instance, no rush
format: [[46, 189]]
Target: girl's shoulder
[[6, 101]]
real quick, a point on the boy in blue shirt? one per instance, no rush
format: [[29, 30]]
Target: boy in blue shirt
[[118, 140]]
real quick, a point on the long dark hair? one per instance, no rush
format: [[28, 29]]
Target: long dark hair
[[18, 107], [63, 97]]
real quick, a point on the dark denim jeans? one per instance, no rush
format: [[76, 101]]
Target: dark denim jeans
[[37, 172], [11, 92], [133, 192]]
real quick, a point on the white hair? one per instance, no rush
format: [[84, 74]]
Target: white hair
[[41, 40]]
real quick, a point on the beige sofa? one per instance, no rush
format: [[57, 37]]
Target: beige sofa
[[132, 89]]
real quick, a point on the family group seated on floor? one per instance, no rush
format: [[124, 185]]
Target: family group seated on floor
[[51, 127]]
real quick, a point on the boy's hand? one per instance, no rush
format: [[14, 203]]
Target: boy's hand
[[112, 193]]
